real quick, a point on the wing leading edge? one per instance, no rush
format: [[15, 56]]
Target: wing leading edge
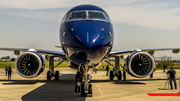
[[44, 52], [149, 50], [111, 54]]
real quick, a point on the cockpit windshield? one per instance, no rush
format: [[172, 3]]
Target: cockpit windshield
[[91, 15], [77, 15], [96, 15]]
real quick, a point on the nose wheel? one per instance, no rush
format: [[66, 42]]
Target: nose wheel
[[83, 94]]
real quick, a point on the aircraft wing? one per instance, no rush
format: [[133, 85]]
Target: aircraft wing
[[41, 51], [149, 50]]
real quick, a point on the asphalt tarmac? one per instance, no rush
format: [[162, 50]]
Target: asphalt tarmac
[[39, 89]]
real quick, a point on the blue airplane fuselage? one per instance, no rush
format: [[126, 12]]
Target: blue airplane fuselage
[[86, 34]]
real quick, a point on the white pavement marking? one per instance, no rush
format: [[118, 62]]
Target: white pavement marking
[[99, 89]]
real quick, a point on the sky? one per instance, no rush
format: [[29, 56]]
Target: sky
[[137, 23]]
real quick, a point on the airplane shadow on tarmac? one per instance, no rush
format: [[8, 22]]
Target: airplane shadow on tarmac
[[62, 90], [23, 82]]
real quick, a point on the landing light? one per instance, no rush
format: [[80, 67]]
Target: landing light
[[110, 33], [63, 33]]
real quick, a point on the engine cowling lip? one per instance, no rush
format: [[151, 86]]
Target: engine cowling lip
[[41, 65], [135, 54]]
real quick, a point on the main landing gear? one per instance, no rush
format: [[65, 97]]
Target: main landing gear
[[86, 88], [119, 75], [116, 72], [51, 72]]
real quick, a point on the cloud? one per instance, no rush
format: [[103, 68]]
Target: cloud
[[35, 4], [51, 4], [40, 15], [150, 14]]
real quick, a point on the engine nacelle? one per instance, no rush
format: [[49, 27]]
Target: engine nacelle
[[140, 64], [29, 64]]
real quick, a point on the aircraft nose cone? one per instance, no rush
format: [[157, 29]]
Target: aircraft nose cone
[[90, 39]]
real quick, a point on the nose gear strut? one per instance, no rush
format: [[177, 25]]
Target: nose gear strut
[[86, 88]]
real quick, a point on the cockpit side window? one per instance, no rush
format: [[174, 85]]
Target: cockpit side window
[[65, 17], [107, 16], [96, 15], [77, 15]]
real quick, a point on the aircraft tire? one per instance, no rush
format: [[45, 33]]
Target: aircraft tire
[[111, 76], [82, 91], [57, 75], [48, 75], [124, 75], [90, 88], [119, 75]]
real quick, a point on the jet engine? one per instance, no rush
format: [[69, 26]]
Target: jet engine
[[140, 64], [29, 64]]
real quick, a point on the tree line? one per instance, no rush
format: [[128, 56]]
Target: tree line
[[167, 63]]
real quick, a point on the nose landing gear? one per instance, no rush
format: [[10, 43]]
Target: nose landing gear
[[86, 88]]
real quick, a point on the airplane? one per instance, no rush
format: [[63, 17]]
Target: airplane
[[86, 38]]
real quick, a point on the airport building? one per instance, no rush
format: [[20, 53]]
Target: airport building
[[164, 58], [5, 58]]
